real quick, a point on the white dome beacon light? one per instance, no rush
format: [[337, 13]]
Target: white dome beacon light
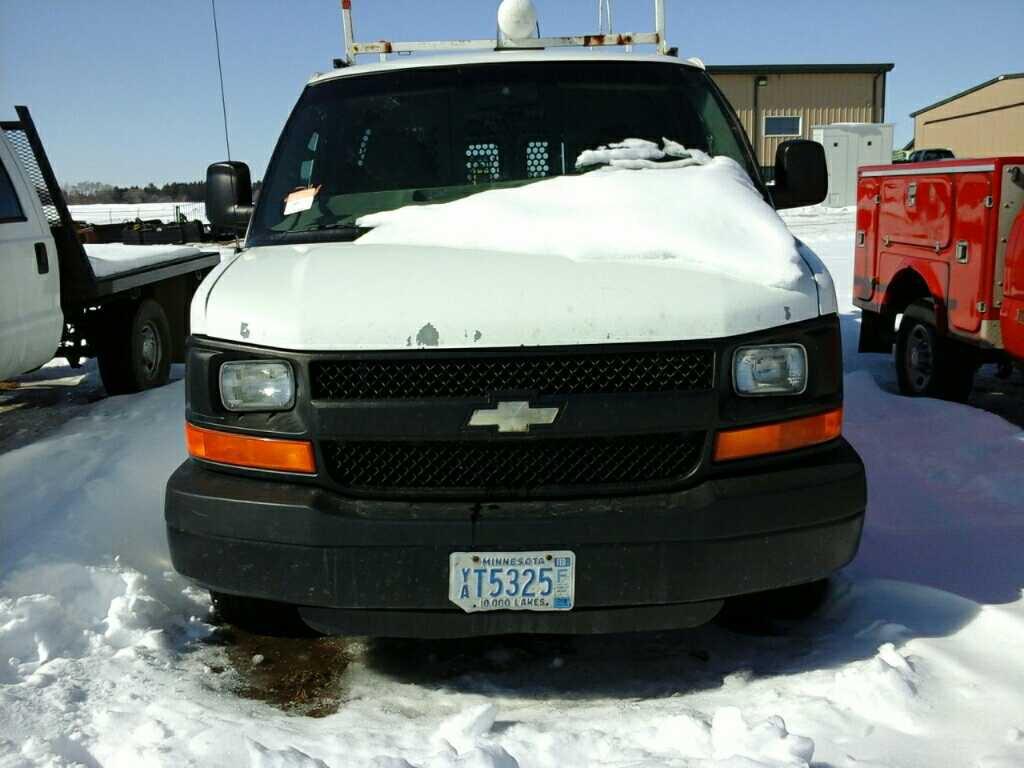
[[517, 20]]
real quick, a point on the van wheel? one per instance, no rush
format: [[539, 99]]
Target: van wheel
[[787, 603], [928, 365], [260, 617], [135, 349]]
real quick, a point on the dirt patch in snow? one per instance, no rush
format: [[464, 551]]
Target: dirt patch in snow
[[33, 405], [299, 675]]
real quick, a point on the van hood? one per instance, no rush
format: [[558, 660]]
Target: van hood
[[351, 296]]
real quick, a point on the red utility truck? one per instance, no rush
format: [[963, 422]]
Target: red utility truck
[[942, 244]]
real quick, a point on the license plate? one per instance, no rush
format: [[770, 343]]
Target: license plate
[[512, 581]]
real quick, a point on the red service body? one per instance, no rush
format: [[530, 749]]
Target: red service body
[[949, 232]]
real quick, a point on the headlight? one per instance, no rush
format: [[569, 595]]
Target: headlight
[[257, 385], [779, 369]]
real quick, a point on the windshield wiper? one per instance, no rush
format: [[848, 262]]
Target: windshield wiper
[[317, 233], [337, 226], [329, 230]]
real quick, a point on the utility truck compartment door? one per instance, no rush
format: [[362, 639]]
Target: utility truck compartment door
[[917, 211], [1012, 313], [970, 258], [865, 254]]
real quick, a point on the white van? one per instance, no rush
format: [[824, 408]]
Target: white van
[[416, 408]]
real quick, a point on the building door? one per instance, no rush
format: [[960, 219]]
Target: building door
[[842, 186]]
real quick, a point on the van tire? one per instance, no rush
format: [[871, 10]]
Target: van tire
[[260, 617], [135, 348], [929, 365]]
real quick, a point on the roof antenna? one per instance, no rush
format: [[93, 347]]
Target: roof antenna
[[220, 71], [223, 102]]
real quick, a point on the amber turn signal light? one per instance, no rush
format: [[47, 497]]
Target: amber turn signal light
[[252, 452], [776, 438]]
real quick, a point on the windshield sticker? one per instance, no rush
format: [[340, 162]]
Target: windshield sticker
[[300, 200]]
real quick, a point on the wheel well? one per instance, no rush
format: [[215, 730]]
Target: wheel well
[[907, 287], [84, 324]]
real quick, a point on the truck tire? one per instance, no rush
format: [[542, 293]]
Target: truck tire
[[135, 350], [928, 365], [260, 617]]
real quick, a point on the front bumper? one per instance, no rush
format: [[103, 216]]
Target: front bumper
[[647, 562]]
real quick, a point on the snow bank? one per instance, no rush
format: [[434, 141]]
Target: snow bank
[[109, 259], [693, 211]]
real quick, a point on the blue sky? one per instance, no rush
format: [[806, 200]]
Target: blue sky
[[126, 92]]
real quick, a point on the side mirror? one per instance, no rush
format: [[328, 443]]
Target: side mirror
[[229, 195], [801, 176]]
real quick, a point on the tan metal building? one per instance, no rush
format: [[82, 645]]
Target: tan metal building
[[776, 102], [982, 121]]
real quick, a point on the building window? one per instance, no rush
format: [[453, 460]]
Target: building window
[[783, 125]]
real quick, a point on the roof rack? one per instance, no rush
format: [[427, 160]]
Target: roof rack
[[501, 42]]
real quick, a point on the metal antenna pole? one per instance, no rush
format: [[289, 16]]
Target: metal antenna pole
[[220, 71], [223, 101]]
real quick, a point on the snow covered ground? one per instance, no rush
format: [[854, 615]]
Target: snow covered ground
[[106, 656]]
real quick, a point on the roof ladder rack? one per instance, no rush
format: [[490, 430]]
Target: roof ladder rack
[[501, 43]]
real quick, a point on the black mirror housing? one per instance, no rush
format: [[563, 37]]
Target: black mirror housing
[[801, 176], [229, 195]]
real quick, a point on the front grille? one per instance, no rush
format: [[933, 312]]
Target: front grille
[[543, 374], [512, 467]]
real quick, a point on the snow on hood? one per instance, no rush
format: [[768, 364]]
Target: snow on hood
[[636, 154], [692, 211]]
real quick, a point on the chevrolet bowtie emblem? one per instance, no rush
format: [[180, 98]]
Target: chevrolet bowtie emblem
[[516, 416]]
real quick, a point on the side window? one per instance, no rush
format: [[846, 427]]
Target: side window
[[10, 208]]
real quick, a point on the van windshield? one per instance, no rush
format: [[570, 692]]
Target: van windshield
[[360, 145]]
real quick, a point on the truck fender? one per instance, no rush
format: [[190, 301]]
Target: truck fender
[[910, 285]]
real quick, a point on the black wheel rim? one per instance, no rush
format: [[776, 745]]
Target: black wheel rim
[[920, 356], [151, 350]]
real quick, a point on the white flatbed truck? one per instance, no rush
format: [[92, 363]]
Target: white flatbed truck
[[125, 305]]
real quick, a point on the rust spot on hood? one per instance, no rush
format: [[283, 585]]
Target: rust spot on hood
[[427, 336]]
